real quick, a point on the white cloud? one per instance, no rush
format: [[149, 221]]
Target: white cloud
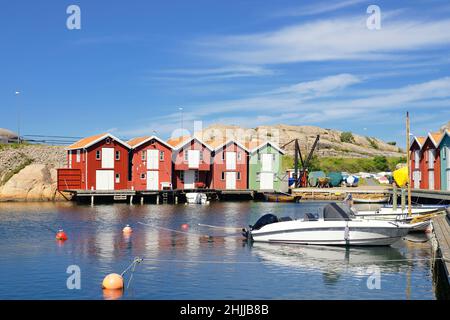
[[320, 87], [318, 8], [342, 38], [219, 73]]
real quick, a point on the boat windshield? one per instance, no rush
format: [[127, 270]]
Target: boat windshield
[[333, 212]]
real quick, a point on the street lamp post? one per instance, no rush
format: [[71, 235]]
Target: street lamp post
[[17, 93], [181, 110]]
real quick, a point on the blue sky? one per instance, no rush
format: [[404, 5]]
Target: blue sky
[[249, 63]]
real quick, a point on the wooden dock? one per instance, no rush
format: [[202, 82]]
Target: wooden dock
[[439, 195], [339, 193], [155, 196], [441, 229]]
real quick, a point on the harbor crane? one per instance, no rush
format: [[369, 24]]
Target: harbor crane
[[301, 172]]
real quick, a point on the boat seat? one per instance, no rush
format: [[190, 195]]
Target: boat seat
[[309, 217], [284, 219]]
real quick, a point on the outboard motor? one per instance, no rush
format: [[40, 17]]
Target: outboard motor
[[264, 220]]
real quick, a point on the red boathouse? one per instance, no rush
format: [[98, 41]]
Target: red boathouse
[[416, 163], [229, 168], [431, 162], [151, 163], [191, 165], [100, 161]]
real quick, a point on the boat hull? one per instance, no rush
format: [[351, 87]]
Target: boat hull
[[333, 233]]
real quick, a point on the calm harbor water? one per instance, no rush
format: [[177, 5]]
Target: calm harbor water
[[182, 266]]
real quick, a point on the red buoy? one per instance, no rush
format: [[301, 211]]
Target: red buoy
[[185, 226], [61, 235]]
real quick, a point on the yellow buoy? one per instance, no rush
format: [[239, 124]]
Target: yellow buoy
[[113, 281], [401, 176]]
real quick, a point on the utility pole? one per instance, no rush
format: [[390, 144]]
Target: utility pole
[[408, 163], [17, 93], [181, 110]]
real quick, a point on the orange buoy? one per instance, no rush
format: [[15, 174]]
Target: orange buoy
[[113, 281], [127, 229], [109, 294], [185, 226], [61, 235]]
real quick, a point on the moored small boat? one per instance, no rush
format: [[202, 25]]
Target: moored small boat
[[276, 197], [330, 225], [371, 200], [196, 198]]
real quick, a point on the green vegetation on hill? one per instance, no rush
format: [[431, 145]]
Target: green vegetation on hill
[[4, 146], [372, 143], [352, 165], [347, 136]]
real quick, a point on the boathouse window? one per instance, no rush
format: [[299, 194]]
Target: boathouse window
[[223, 176], [117, 177], [196, 176], [161, 156], [185, 155], [238, 175], [239, 156], [430, 159], [143, 176], [78, 155], [143, 155], [98, 155], [182, 176], [416, 159], [117, 155], [201, 155], [273, 156]]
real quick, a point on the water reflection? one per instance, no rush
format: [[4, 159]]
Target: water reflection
[[176, 268], [330, 260]]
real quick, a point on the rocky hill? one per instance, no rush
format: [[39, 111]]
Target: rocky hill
[[330, 143], [28, 172]]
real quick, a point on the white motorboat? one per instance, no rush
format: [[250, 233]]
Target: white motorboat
[[196, 198], [330, 225]]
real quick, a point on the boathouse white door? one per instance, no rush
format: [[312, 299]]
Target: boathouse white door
[[416, 178], [189, 179], [231, 160], [153, 159], [448, 179], [431, 179], [230, 180], [107, 158], [152, 180], [193, 158], [266, 159], [266, 181], [104, 179]]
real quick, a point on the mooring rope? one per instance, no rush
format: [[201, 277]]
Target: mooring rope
[[219, 227], [191, 233], [132, 266]]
